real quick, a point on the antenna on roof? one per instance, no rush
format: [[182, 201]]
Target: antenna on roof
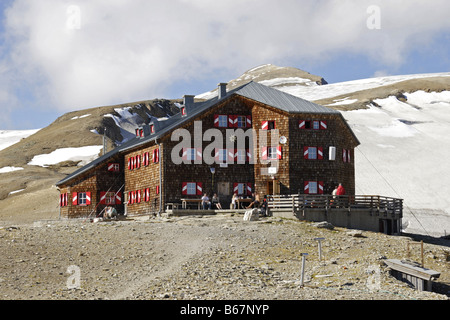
[[104, 142]]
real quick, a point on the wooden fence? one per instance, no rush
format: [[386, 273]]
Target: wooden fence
[[298, 202]]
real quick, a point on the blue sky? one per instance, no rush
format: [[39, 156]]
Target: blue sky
[[59, 56]]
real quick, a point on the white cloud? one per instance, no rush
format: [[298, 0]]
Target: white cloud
[[119, 51]]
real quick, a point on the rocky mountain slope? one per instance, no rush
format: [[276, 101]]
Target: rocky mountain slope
[[401, 121]]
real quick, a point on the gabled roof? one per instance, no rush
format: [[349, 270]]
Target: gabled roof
[[252, 90]]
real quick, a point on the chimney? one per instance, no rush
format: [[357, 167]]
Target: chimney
[[222, 90], [188, 100], [188, 103]]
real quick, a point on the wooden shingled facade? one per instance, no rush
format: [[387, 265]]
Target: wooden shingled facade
[[297, 160]]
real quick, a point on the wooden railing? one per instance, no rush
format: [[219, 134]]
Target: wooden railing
[[296, 202]]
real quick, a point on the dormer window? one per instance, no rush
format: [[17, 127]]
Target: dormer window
[[139, 133], [183, 111], [152, 128]]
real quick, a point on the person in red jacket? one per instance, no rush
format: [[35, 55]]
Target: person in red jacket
[[340, 190]]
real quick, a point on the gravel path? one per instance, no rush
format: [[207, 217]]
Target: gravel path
[[205, 258]]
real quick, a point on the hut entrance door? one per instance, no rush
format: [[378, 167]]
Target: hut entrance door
[[273, 187], [223, 189]]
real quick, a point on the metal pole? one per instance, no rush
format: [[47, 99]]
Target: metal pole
[[303, 269], [320, 247]]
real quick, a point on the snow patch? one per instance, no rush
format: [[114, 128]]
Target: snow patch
[[11, 137], [10, 169], [80, 117], [83, 154]]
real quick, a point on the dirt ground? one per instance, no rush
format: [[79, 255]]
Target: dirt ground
[[218, 257]]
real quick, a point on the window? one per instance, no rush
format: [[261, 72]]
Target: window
[[313, 187], [315, 124], [223, 121], [242, 188], [313, 153], [241, 121], [346, 155], [110, 198], [81, 198], [192, 154], [221, 155], [272, 153], [241, 156], [192, 188], [183, 111], [113, 167], [268, 125]]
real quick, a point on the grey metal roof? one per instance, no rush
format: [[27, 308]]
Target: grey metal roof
[[252, 90], [280, 100]]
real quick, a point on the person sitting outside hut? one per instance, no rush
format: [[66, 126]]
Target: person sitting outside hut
[[205, 202], [233, 204], [255, 202], [216, 202]]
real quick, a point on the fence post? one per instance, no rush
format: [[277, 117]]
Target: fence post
[[303, 269]]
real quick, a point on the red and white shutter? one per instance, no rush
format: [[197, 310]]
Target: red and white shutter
[[61, 200], [249, 156], [231, 155], [236, 188], [249, 121], [232, 121], [320, 184], [217, 155], [306, 188], [264, 154], [198, 154], [305, 152], [279, 152], [184, 188], [157, 189], [344, 155], [216, 120], [323, 125], [102, 197], [118, 198], [138, 195], [265, 125], [138, 161], [249, 188], [199, 188], [111, 167], [155, 156], [348, 156], [74, 199], [320, 153], [301, 124], [88, 198], [184, 156]]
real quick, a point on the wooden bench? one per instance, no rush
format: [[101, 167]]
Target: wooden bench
[[184, 203]]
